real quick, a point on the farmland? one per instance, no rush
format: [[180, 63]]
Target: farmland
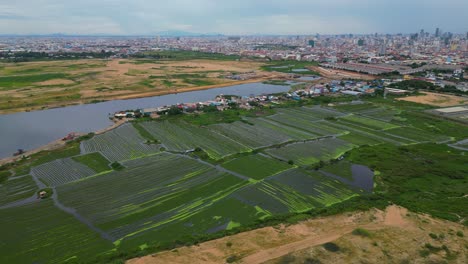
[[155, 185], [309, 153]]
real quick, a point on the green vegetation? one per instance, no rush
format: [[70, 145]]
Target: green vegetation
[[4, 176], [332, 247], [419, 177], [17, 189], [256, 166], [117, 166], [94, 161], [296, 67], [184, 55], [213, 177], [42, 233], [13, 82], [198, 82], [150, 139], [361, 232], [276, 82]]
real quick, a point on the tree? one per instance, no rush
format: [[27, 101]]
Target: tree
[[174, 110]]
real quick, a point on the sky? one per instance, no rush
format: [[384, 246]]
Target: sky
[[233, 17]]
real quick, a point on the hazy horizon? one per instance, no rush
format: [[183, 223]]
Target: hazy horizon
[[296, 17]]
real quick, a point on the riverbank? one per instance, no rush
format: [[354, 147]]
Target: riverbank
[[56, 144]]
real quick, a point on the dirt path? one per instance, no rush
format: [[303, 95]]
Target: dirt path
[[393, 216], [264, 244]]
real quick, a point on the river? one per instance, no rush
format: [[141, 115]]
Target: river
[[29, 130]]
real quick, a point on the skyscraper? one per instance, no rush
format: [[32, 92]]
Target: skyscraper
[[437, 32]]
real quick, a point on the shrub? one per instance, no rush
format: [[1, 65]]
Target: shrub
[[229, 244], [232, 258], [361, 232], [332, 247], [433, 236], [460, 234], [117, 166]]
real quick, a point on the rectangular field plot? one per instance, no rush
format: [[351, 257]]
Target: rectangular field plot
[[41, 233], [94, 161], [291, 133], [61, 171], [312, 152], [181, 136], [17, 189], [416, 134], [253, 136], [150, 193], [312, 125], [360, 139], [122, 143], [371, 134], [225, 214], [294, 191], [256, 166], [382, 114], [367, 122]]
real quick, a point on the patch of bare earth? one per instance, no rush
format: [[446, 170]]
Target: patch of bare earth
[[396, 236], [56, 82], [436, 99]]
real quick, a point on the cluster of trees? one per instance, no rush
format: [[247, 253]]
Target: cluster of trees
[[37, 56], [423, 85]]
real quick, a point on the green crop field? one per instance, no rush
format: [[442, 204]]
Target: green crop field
[[41, 233], [95, 161], [182, 136], [256, 166], [190, 178], [368, 122], [16, 189], [311, 152]]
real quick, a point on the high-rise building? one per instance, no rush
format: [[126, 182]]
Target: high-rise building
[[383, 49], [312, 43], [437, 32]]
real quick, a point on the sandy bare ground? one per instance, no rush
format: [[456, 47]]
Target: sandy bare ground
[[436, 99], [265, 244], [340, 74], [89, 80]]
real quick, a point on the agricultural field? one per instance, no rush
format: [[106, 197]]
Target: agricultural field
[[139, 188], [95, 161], [310, 153], [122, 143], [367, 122], [294, 191], [181, 136], [42, 233], [256, 166], [16, 189], [61, 171], [150, 193]]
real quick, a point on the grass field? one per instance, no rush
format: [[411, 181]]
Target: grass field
[[256, 166], [95, 161]]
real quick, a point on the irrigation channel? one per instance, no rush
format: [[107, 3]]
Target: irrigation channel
[[29, 130]]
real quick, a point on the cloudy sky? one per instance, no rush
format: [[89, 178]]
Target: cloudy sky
[[145, 17]]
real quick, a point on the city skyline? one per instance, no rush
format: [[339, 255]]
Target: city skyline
[[298, 17]]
